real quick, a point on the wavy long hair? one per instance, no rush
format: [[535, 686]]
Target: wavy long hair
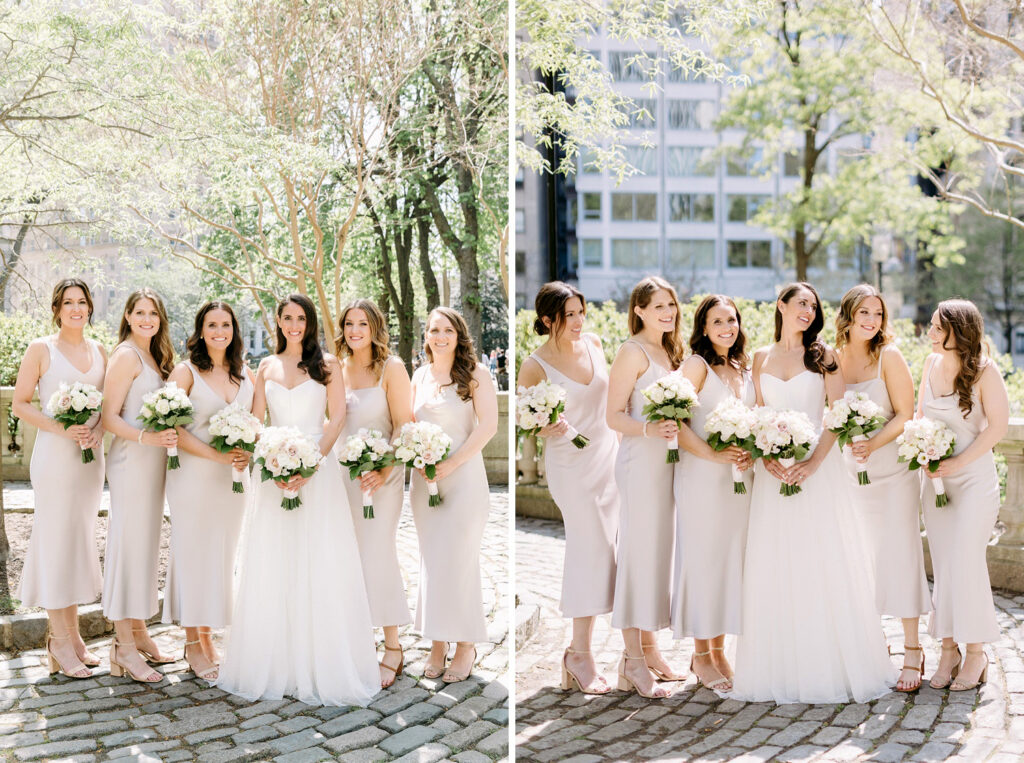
[[380, 349], [550, 304], [701, 344], [58, 297], [848, 308], [641, 297], [160, 345], [814, 348], [198, 352], [312, 361], [963, 324], [464, 363]]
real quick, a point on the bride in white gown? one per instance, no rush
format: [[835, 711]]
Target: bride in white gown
[[810, 632], [301, 625]]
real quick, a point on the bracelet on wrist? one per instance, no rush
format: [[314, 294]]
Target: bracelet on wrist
[[645, 429], [141, 432]]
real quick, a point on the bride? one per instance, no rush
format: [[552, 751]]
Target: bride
[[301, 624], [810, 630]]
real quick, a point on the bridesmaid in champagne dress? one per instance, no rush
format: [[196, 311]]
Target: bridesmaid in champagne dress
[[890, 507], [963, 388], [206, 515], [644, 479], [589, 507], [136, 470], [378, 396], [711, 518], [62, 567], [455, 392]]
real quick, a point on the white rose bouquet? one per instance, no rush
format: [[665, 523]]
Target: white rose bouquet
[[925, 442], [283, 453], [422, 445], [167, 408], [366, 451], [540, 405], [784, 436], [234, 427], [732, 423], [75, 404], [672, 398], [851, 419]]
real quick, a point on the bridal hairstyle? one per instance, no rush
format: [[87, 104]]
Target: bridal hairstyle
[[58, 297], [848, 308], [380, 350], [550, 304], [641, 297], [312, 362], [200, 355], [464, 363], [965, 328], [160, 345], [701, 344], [814, 348]]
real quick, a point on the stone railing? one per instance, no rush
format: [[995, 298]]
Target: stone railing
[[1005, 550]]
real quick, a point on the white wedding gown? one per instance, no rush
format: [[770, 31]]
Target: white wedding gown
[[301, 625], [810, 631]]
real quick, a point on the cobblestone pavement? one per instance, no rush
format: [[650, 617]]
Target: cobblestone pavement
[[183, 719], [697, 724]]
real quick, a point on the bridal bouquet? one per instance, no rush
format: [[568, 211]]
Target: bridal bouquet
[[540, 405], [423, 445], [75, 404], [283, 453], [234, 427], [852, 419], [732, 423], [925, 442], [784, 436], [167, 408], [672, 398], [366, 451]]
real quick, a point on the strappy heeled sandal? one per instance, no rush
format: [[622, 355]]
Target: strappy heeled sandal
[[722, 684], [959, 685], [117, 669], [569, 678], [396, 671], [149, 656], [56, 667], [453, 678], [429, 671], [662, 676], [917, 669], [952, 673], [730, 674], [208, 674], [626, 683]]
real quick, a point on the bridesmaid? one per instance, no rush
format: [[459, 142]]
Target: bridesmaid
[[890, 505], [206, 516], [136, 469], [963, 388], [590, 508], [62, 567], [711, 519], [378, 395], [644, 480], [455, 392]]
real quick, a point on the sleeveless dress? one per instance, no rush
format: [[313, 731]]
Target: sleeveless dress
[[301, 624], [206, 520], [368, 408], [810, 629], [711, 530], [890, 514], [136, 475], [582, 484], [958, 533], [62, 566], [646, 521], [450, 603]]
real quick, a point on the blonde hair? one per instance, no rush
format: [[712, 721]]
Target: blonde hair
[[848, 308], [380, 350]]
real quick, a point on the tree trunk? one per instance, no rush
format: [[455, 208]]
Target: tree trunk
[[6, 604], [429, 279], [10, 259]]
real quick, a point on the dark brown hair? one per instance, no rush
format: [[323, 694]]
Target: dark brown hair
[[58, 297], [160, 345], [464, 363], [848, 308], [198, 352], [641, 297], [962, 322], [380, 351], [312, 361], [550, 304], [701, 344], [814, 348]]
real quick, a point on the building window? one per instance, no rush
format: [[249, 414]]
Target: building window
[[520, 263], [520, 176], [690, 114], [635, 254], [591, 206], [793, 164], [591, 253], [587, 162], [690, 255], [642, 116], [691, 207], [691, 161], [742, 207], [743, 163], [644, 158], [520, 221], [1018, 342], [679, 74], [634, 207], [623, 66], [749, 254]]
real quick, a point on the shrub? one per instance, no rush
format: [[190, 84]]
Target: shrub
[[18, 330]]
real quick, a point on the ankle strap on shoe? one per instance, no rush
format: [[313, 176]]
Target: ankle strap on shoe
[[191, 643], [393, 649], [570, 650], [717, 648], [954, 648], [55, 637], [627, 657], [702, 654], [917, 648]]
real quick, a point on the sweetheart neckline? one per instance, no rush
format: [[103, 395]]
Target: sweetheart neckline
[[779, 378], [289, 389]]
